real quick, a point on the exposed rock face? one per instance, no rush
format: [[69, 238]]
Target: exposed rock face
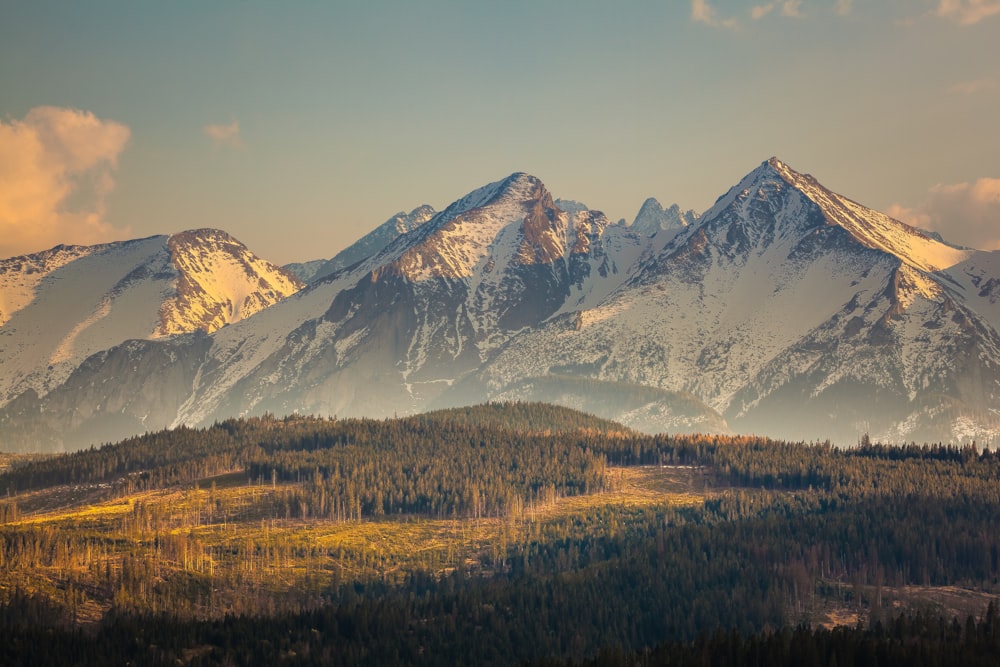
[[785, 309], [793, 311]]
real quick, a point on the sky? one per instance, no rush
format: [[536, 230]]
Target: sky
[[300, 126]]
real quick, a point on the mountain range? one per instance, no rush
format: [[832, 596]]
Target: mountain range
[[784, 309]]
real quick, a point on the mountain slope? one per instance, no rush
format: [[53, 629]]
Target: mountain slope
[[370, 244], [63, 305], [403, 325], [783, 309], [389, 333]]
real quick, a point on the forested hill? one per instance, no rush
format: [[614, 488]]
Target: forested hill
[[526, 417], [502, 534], [289, 447]]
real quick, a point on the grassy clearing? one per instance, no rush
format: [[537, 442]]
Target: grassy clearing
[[235, 535]]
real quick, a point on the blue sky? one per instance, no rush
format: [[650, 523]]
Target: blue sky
[[299, 126]]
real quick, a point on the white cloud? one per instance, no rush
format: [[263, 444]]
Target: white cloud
[[967, 12], [760, 11], [702, 12], [973, 87], [56, 172], [963, 213], [844, 7], [225, 135]]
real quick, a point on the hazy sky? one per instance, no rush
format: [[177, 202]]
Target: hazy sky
[[299, 126]]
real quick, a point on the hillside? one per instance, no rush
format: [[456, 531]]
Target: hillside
[[435, 539]]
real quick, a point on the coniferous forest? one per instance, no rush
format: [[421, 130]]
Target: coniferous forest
[[500, 534]]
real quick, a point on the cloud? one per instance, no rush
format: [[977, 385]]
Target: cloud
[[790, 8], [225, 135], [973, 87], [967, 12], [702, 12], [57, 169], [844, 7], [911, 216], [963, 213]]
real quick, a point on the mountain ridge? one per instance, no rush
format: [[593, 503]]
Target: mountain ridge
[[75, 301], [784, 309]]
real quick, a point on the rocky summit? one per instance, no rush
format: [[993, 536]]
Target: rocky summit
[[785, 309]]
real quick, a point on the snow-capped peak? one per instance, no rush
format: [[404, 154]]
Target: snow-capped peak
[[458, 238], [71, 302], [872, 228], [219, 282], [514, 187], [869, 227]]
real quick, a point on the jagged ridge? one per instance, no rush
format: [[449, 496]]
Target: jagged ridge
[[784, 309]]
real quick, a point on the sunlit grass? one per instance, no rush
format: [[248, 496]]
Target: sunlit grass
[[225, 529]]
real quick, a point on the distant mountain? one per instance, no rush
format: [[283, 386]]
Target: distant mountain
[[305, 271], [388, 334], [644, 408], [393, 332], [653, 218], [62, 305], [785, 309], [370, 244]]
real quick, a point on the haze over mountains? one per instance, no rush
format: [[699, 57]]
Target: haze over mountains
[[785, 309]]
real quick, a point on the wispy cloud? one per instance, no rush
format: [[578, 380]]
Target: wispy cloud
[[973, 87], [844, 7], [790, 8], [227, 136], [964, 213], [967, 12], [57, 169], [702, 12]]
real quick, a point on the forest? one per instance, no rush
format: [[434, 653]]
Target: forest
[[500, 534]]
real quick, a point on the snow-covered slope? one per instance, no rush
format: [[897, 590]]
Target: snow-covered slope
[[791, 311], [375, 241], [305, 271], [399, 328], [219, 281], [20, 276], [388, 334], [784, 309], [62, 305]]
